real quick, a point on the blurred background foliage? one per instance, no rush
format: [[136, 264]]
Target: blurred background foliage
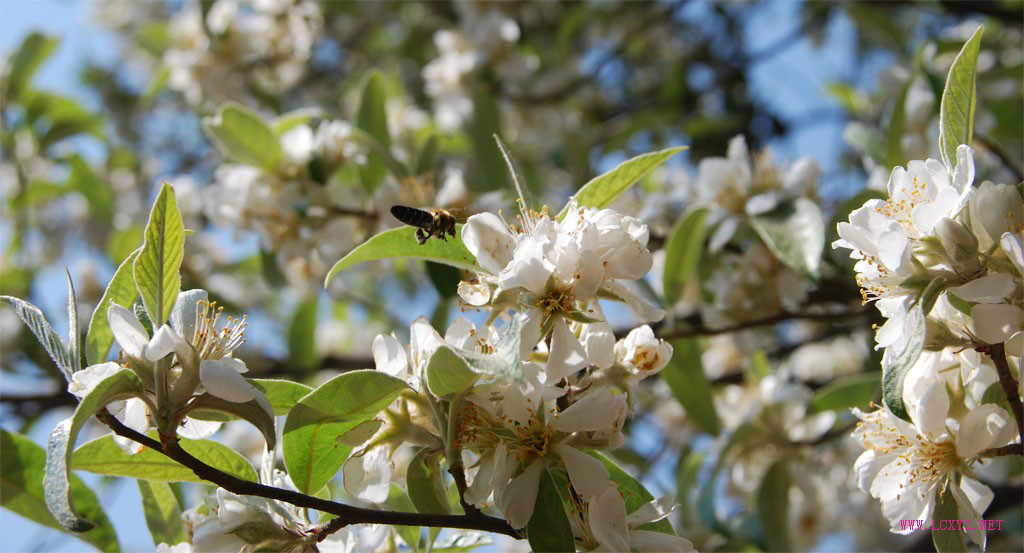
[[398, 102]]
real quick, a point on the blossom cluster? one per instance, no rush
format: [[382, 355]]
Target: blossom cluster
[[551, 383], [943, 261]]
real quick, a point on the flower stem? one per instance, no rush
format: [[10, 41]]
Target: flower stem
[[1009, 384]]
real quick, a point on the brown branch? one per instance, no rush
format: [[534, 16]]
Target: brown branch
[[1005, 451], [347, 514], [764, 321], [1009, 384]]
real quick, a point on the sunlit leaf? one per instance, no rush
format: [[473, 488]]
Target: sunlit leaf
[[156, 266], [282, 394], [847, 392], [103, 456], [602, 190], [121, 291], [401, 242], [40, 327], [312, 451], [956, 111]]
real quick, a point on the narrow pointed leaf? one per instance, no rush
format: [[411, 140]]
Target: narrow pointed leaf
[[896, 365], [549, 529], [74, 339], [121, 291], [159, 260], [602, 190], [685, 377], [40, 327], [401, 242], [773, 507], [123, 384], [372, 119], [956, 110], [162, 512], [32, 52], [633, 492], [682, 253]]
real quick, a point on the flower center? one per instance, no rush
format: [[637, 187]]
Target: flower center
[[557, 302], [211, 342]]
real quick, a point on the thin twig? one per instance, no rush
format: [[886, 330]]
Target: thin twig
[[347, 514], [1009, 384], [765, 321], [1006, 450]]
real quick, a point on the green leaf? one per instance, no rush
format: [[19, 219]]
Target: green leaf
[[427, 157], [373, 119], [32, 52], [602, 190], [401, 242], [399, 501], [74, 338], [948, 541], [773, 507], [548, 530], [96, 191], [312, 451], [633, 493], [288, 121], [121, 291], [302, 335], [162, 512], [844, 393], [488, 166], [159, 260], [103, 456], [894, 134], [283, 394], [252, 411], [895, 365], [956, 111], [685, 377], [448, 373], [682, 253], [36, 322], [123, 384], [795, 232], [21, 491], [243, 136], [426, 485], [931, 293]]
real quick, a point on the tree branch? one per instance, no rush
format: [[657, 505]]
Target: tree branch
[[1009, 384], [347, 514], [764, 321]]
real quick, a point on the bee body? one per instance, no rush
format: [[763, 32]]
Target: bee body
[[438, 222]]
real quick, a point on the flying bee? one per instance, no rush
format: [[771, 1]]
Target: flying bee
[[437, 222]]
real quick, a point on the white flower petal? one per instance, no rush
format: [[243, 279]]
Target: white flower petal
[[518, 500], [587, 475], [567, 353], [991, 288], [996, 323], [164, 342], [389, 356], [984, 427], [607, 517], [127, 330], [222, 379]]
